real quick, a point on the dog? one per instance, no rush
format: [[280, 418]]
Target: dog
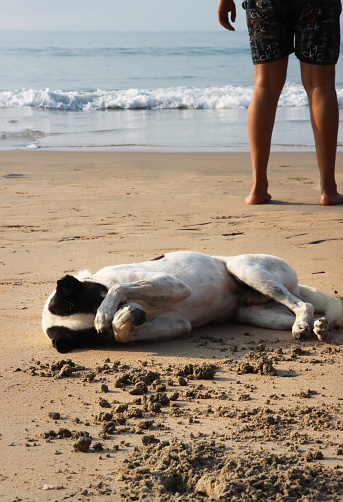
[[169, 296]]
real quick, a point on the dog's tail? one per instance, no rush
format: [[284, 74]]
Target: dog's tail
[[329, 305]]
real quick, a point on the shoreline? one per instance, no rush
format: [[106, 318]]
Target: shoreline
[[62, 212], [200, 130]]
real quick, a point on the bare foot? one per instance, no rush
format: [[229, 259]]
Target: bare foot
[[331, 200], [258, 198]]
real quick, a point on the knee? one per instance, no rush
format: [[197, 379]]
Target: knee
[[269, 87], [313, 88], [270, 78], [318, 79]]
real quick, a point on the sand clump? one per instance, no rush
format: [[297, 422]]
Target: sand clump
[[200, 471], [201, 431]]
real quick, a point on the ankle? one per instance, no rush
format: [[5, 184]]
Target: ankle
[[332, 199], [258, 198]]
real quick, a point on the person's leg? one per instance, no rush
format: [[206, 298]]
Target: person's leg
[[269, 81], [319, 83]]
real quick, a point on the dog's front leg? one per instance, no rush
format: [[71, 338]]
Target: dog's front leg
[[157, 290], [128, 326], [109, 306]]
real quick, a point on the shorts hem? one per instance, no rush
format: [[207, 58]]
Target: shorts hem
[[273, 60], [316, 63]]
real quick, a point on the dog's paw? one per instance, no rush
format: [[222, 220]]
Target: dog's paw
[[126, 320], [103, 320], [299, 329], [321, 328]]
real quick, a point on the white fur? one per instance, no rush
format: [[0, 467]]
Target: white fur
[[83, 275]]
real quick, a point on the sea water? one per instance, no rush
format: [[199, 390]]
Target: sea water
[[139, 91]]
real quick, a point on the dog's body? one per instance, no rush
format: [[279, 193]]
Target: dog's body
[[167, 297]]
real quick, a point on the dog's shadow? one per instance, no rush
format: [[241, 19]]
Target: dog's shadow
[[213, 341]]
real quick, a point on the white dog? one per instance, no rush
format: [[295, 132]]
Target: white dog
[[167, 297]]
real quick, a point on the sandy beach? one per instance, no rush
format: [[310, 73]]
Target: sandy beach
[[231, 412]]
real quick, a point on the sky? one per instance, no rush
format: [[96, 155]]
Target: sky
[[113, 15]]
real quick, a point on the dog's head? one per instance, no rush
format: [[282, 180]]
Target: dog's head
[[69, 314]]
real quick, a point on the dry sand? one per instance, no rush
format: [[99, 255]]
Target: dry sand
[[228, 413]]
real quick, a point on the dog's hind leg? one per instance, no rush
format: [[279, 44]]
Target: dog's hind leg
[[329, 305], [323, 303], [167, 325], [268, 315], [275, 279]]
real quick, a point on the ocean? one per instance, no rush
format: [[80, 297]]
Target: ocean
[[140, 91]]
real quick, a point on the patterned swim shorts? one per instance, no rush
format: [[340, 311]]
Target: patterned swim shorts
[[310, 28]]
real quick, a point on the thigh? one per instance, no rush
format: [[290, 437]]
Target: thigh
[[270, 315], [313, 75], [272, 75], [317, 31], [270, 30]]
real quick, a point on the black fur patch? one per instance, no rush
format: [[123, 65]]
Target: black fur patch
[[158, 258], [75, 297], [65, 339]]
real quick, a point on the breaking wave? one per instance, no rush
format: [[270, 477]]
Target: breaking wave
[[171, 98]]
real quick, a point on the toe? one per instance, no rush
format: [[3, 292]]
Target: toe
[[321, 328]]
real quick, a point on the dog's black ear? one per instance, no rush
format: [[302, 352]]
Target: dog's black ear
[[68, 286], [62, 345]]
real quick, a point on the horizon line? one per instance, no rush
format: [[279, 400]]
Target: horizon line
[[58, 30]]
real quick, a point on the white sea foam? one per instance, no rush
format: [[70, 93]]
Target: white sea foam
[[226, 97]]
